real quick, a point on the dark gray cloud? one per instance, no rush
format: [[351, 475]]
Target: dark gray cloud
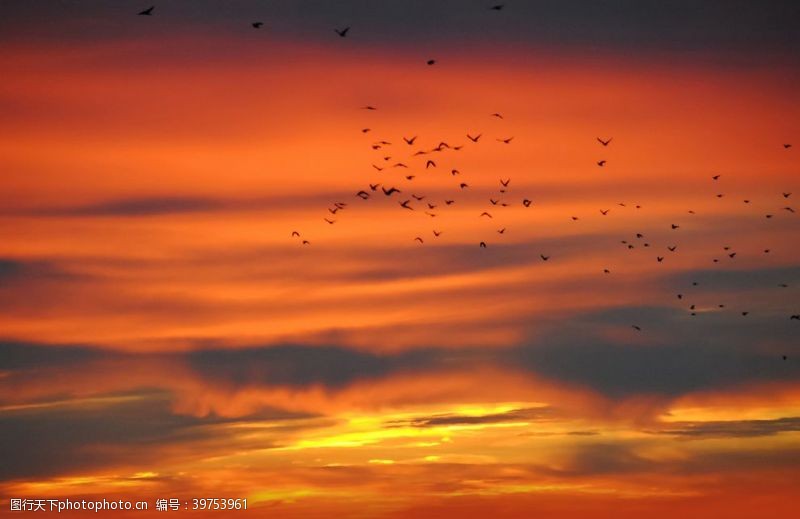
[[537, 414], [733, 428], [50, 440], [296, 365], [672, 355], [733, 27]]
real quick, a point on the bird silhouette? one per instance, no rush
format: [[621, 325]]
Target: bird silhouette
[[257, 25], [474, 139], [330, 222], [604, 212], [601, 163], [431, 61], [501, 231], [390, 191], [295, 233], [672, 247], [498, 7], [786, 195], [506, 140], [342, 32], [486, 214], [429, 164], [483, 245], [604, 143], [306, 242], [374, 187], [785, 146], [417, 197], [362, 194], [716, 177], [418, 239], [527, 203], [660, 258], [405, 205], [437, 233], [449, 202], [544, 258], [411, 140], [637, 328], [675, 226], [368, 107], [497, 115], [454, 172], [148, 11], [463, 185]]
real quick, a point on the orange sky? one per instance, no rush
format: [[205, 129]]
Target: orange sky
[[163, 334]]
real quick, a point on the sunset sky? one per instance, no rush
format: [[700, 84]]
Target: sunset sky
[[164, 335]]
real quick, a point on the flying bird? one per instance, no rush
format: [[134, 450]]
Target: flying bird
[[785, 146], [390, 191], [368, 107], [604, 212], [498, 7], [601, 163], [604, 143], [506, 140], [411, 140], [429, 164], [505, 182], [544, 258], [527, 203], [418, 198], [483, 245], [418, 239], [148, 11], [342, 33], [474, 139], [257, 25], [295, 233], [486, 214], [362, 194], [431, 61], [405, 205], [463, 185], [637, 328], [497, 115], [330, 222], [716, 177]]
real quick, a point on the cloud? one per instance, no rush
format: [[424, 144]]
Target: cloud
[[732, 428], [669, 357], [530, 414]]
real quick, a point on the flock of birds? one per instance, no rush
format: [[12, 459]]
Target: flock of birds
[[430, 207]]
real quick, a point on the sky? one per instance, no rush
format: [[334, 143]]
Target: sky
[[623, 344]]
